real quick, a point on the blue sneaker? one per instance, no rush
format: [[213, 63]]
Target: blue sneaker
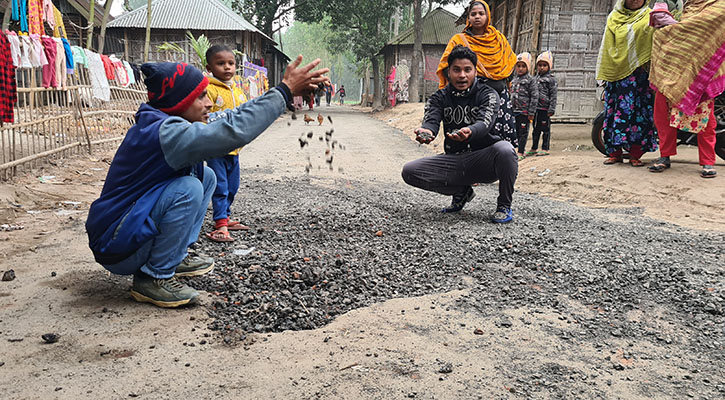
[[502, 215], [460, 200]]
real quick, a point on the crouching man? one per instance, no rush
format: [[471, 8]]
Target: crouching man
[[474, 152], [157, 189]]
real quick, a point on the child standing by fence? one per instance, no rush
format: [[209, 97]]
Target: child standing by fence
[[524, 97], [547, 86], [224, 95]]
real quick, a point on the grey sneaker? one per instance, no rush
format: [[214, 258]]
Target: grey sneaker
[[162, 292], [194, 265]]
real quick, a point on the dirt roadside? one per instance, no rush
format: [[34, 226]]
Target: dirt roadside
[[422, 347]]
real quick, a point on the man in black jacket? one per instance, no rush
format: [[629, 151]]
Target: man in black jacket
[[474, 152]]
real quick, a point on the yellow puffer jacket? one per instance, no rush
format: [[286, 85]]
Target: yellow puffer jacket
[[224, 97]]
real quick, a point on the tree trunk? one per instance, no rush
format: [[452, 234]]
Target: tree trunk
[[377, 104], [6, 16], [102, 38], [91, 18], [147, 42], [414, 82]]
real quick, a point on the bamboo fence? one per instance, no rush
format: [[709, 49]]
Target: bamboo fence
[[58, 123]]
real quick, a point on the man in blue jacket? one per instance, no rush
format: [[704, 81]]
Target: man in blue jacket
[[157, 189]]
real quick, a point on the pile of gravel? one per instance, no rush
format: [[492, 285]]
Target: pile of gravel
[[321, 251]]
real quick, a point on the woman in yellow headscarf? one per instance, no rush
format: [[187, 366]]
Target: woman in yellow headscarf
[[496, 61], [623, 65]]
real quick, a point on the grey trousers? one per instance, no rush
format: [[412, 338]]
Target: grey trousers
[[452, 174]]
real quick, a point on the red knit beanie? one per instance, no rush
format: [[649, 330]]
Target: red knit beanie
[[172, 87]]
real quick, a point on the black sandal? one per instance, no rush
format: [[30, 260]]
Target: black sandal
[[660, 164], [708, 171]]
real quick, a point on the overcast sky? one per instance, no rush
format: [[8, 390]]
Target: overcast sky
[[117, 8]]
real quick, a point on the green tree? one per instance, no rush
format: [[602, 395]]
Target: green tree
[[360, 27], [264, 13], [312, 40]]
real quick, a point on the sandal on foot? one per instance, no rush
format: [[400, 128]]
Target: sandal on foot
[[660, 164], [236, 226], [542, 153], [612, 160], [531, 153], [708, 171], [219, 236], [636, 163], [521, 157]]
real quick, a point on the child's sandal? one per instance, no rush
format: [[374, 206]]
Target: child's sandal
[[219, 236], [236, 226]]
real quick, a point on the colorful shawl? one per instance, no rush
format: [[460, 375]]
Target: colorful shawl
[[496, 59], [688, 58], [627, 43]]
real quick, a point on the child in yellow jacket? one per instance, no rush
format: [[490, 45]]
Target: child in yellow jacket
[[224, 95]]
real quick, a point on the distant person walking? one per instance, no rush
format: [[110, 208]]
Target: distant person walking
[[623, 65], [341, 93]]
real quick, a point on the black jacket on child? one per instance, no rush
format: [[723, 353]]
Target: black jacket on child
[[476, 108], [524, 94], [547, 87]]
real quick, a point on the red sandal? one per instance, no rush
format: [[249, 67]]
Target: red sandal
[[236, 226], [219, 236]]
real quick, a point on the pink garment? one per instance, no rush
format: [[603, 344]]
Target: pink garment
[[120, 71], [51, 50], [660, 19], [48, 14], [35, 17], [706, 86], [37, 53]]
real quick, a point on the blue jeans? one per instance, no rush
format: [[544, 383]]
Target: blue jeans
[[178, 216], [227, 184]]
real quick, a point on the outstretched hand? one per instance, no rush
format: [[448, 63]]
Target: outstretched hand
[[302, 80], [460, 135], [423, 135]]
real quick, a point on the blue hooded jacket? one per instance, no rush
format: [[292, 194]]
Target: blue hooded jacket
[[156, 150]]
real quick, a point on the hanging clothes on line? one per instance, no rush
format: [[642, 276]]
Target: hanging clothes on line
[[61, 68], [129, 72], [51, 50], [79, 55], [37, 53], [20, 13], [59, 28], [48, 14], [35, 17], [120, 71], [14, 47], [69, 61], [26, 49], [108, 67], [8, 86], [99, 82]]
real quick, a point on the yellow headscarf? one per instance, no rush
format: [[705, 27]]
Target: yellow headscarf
[[496, 59], [627, 43]]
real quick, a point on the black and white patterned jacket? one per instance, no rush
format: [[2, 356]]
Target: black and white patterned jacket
[[547, 87], [524, 94]]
